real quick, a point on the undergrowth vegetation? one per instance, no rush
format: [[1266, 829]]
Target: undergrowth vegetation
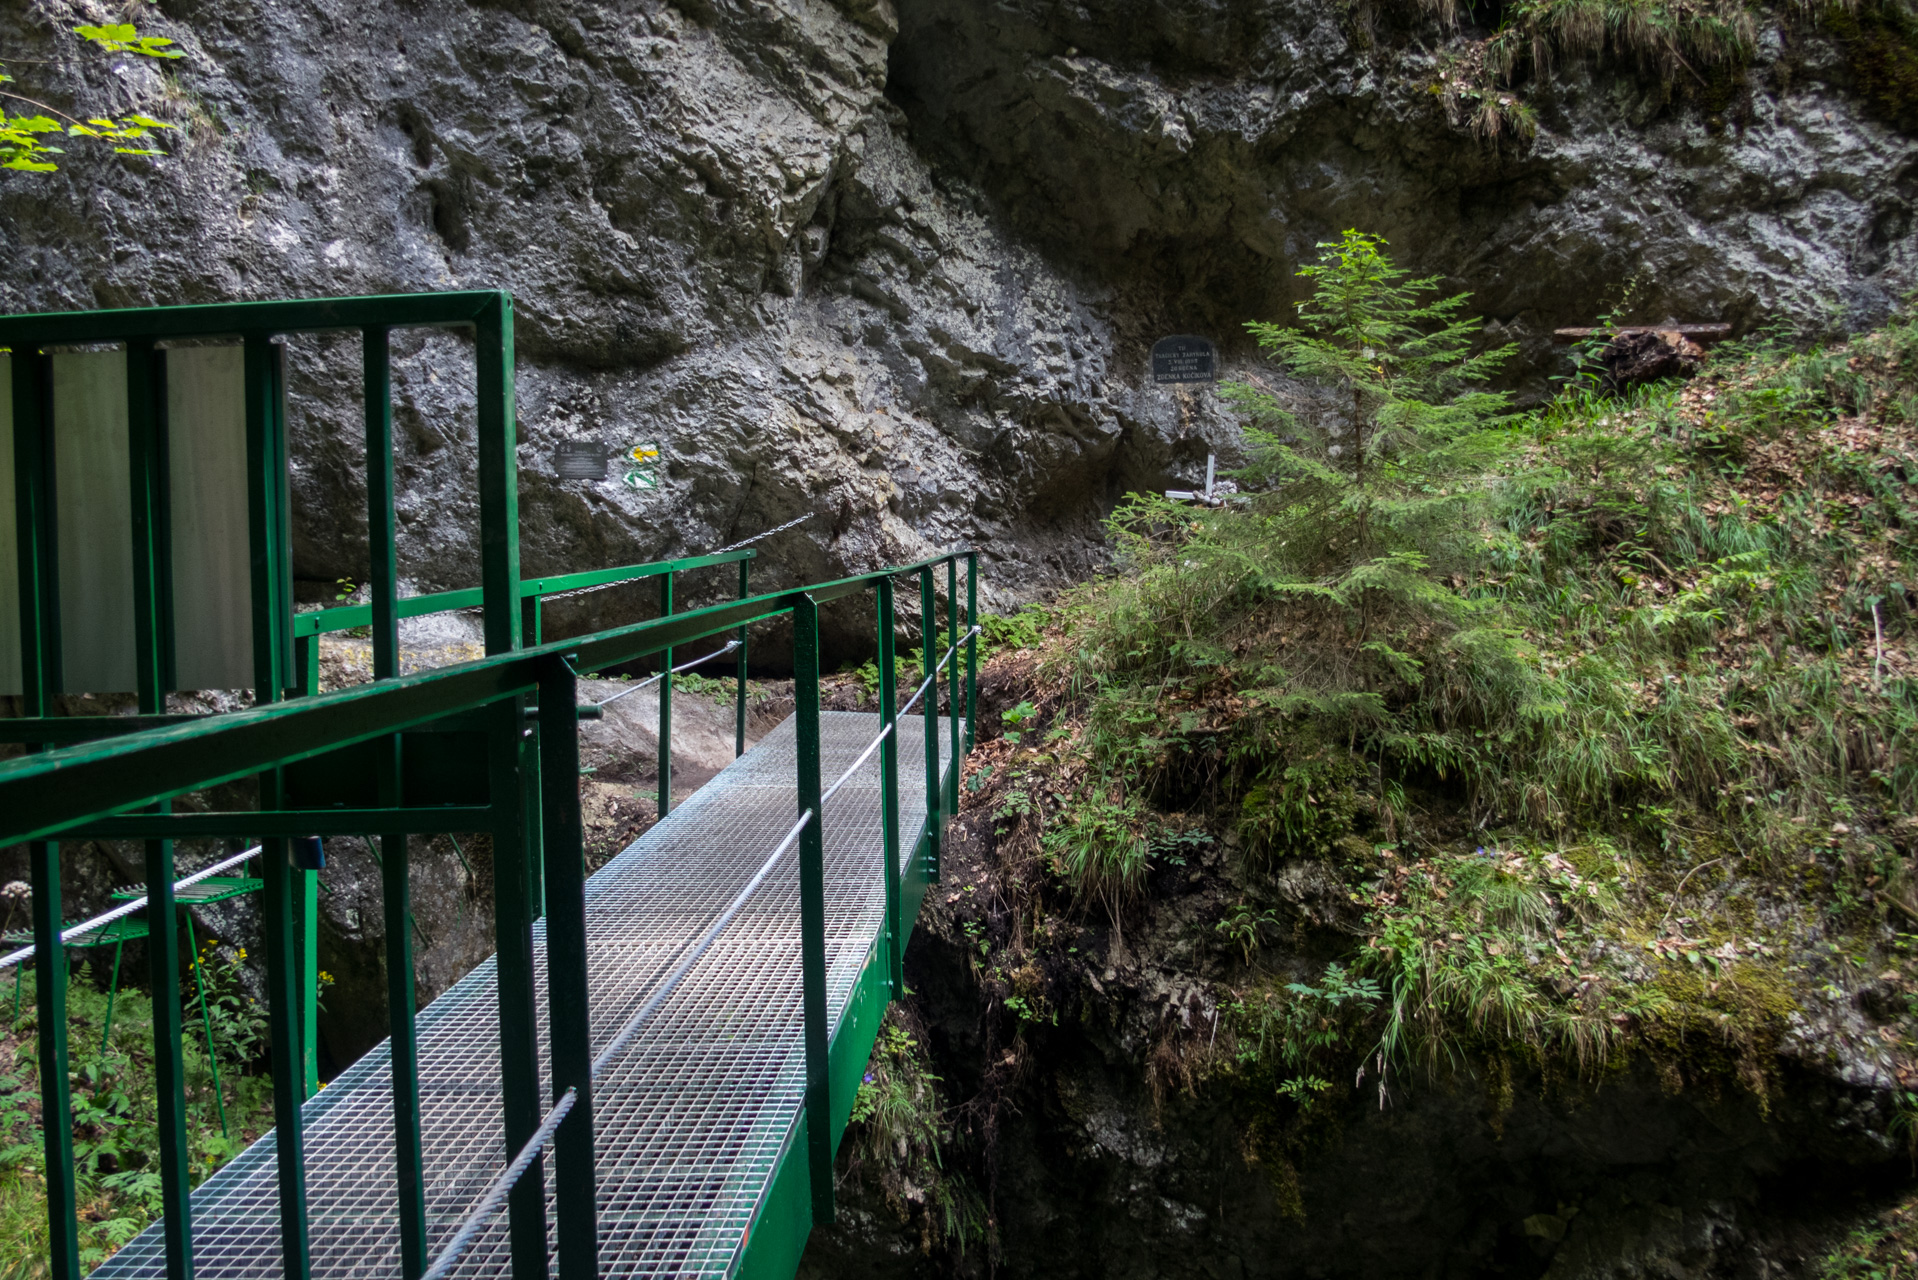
[[1880, 1248], [115, 1121], [900, 1128], [1699, 50], [1565, 740]]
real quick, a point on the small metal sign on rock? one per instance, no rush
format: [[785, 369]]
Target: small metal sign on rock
[[580, 460], [1184, 358], [644, 473]]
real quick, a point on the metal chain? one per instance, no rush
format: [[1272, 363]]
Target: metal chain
[[757, 537], [586, 591]]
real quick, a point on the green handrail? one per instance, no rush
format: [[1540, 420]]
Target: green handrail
[[344, 617], [88, 784]]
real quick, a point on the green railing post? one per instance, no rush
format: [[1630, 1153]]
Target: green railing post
[[928, 642], [32, 372], [889, 791], [401, 999], [972, 649], [395, 864], [382, 554], [535, 864], [812, 906], [146, 474], [266, 475], [666, 705], [307, 884], [513, 940], [289, 1077], [955, 704], [206, 1025], [153, 617], [113, 994], [56, 1111], [272, 613], [739, 697], [169, 1071], [306, 665], [569, 1014], [283, 520], [498, 477]]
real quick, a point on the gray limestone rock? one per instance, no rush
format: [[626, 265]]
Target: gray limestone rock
[[895, 269]]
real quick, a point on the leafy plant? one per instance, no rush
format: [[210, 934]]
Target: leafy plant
[[1243, 926], [1302, 1025], [1015, 717], [1000, 633], [899, 1128], [115, 1125], [22, 144], [1173, 846], [1098, 844]]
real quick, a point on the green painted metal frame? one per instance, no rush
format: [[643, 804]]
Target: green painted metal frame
[[344, 617], [119, 778], [47, 793], [90, 783], [665, 803], [291, 894]]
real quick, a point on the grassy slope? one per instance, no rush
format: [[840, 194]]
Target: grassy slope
[[1642, 791]]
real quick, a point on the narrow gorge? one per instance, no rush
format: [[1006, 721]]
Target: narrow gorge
[[883, 277]]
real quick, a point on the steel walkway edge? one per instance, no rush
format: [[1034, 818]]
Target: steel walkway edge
[[700, 1127]]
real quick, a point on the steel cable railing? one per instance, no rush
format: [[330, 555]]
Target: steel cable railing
[[128, 908], [726, 648], [495, 1196], [934, 675]]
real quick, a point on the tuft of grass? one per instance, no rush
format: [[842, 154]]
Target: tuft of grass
[[1883, 1246], [899, 1129]]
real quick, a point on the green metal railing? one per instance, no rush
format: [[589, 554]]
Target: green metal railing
[[535, 593], [84, 786], [486, 746]]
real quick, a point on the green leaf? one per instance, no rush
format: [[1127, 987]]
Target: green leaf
[[121, 37]]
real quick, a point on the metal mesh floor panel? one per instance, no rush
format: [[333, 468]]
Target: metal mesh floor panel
[[689, 1121]]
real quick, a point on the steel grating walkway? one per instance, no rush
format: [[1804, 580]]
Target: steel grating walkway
[[689, 1122]]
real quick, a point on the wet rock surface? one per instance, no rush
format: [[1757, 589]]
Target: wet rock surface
[[892, 267]]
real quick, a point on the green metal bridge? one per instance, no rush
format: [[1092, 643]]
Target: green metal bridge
[[652, 1073]]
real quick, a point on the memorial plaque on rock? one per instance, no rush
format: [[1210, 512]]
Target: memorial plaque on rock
[[1184, 358], [580, 460]]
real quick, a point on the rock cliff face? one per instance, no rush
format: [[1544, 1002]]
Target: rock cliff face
[[895, 268], [1190, 155]]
